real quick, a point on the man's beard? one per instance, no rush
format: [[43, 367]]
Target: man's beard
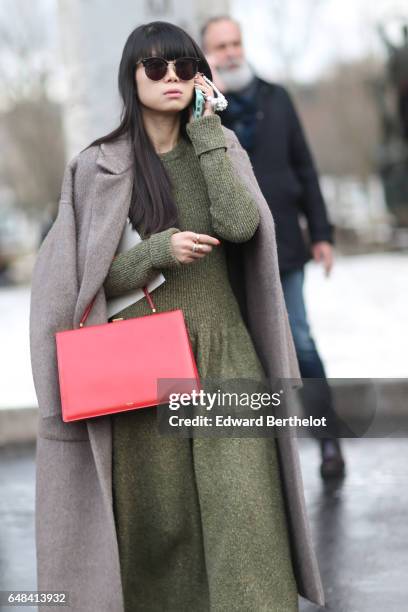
[[236, 77]]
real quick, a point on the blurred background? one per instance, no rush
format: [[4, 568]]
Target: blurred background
[[346, 66]]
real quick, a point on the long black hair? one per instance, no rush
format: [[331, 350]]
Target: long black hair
[[152, 208]]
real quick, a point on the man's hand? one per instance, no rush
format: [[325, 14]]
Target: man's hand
[[323, 252], [188, 246]]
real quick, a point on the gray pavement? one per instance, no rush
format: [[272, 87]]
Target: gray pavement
[[359, 525], [17, 548]]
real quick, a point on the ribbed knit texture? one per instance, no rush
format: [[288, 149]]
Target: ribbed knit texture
[[136, 267], [201, 523], [210, 200]]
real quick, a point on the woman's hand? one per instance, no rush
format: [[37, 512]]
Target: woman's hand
[[188, 246], [207, 90]]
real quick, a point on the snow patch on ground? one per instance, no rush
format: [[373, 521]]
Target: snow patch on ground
[[358, 315]]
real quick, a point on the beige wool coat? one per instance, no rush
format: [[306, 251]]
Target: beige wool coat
[[77, 549]]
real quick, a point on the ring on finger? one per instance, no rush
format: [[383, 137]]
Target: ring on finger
[[197, 238]]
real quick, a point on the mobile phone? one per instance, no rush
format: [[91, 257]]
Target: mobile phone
[[199, 103], [218, 103]]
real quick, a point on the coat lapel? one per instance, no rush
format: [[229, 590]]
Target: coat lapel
[[110, 207]]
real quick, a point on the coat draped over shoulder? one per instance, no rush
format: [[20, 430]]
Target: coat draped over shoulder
[[76, 541]]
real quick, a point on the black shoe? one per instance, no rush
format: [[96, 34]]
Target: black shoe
[[333, 465]]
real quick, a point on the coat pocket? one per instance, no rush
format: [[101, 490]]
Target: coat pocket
[[54, 428]]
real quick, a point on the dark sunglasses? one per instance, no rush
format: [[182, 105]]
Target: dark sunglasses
[[156, 67]]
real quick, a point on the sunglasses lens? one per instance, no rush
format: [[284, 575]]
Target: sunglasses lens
[[186, 68], [155, 69]]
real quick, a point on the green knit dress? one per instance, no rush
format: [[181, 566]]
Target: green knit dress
[[201, 522]]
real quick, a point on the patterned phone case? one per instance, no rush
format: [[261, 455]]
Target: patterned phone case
[[199, 104]]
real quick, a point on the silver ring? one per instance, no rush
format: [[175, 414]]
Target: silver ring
[[197, 238], [194, 247]]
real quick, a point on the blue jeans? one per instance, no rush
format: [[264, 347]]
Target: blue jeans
[[316, 394]]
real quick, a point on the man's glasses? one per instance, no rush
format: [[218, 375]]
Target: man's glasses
[[156, 67]]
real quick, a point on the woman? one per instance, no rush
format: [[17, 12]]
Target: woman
[[201, 524]]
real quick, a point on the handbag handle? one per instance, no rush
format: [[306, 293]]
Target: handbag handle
[[89, 307]]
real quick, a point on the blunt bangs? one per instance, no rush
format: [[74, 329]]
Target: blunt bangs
[[160, 40]]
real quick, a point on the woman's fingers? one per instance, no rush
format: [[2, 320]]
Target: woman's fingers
[[189, 246], [200, 250], [202, 238], [194, 250]]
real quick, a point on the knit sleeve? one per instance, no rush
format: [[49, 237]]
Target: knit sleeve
[[136, 267], [234, 212]]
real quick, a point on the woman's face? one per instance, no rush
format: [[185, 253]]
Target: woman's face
[[169, 95]]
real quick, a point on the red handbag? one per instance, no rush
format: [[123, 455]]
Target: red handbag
[[124, 364]]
